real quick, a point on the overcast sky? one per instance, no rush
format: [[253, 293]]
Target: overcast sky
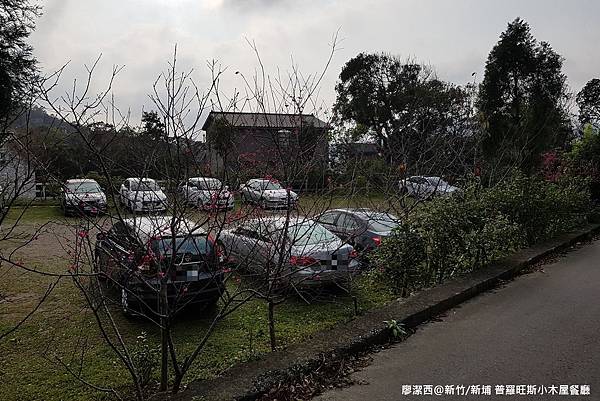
[[454, 36]]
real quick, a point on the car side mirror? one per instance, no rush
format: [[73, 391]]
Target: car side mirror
[[100, 236]]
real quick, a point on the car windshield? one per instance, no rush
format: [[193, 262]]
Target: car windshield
[[144, 186], [309, 233], [207, 185], [83, 188], [268, 185], [437, 182], [379, 222], [194, 245]]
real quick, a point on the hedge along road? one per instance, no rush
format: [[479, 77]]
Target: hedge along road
[[541, 329]]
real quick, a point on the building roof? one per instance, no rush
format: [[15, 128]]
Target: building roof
[[265, 120]]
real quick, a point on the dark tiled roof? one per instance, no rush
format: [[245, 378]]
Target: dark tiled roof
[[265, 120]]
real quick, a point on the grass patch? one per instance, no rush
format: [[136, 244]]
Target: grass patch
[[63, 329], [66, 330]]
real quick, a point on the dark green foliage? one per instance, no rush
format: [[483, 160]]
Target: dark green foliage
[[588, 100], [450, 236], [152, 126], [17, 64], [413, 116], [584, 158], [540, 208], [221, 137], [522, 100]]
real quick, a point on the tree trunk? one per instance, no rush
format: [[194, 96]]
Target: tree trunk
[[272, 325], [164, 346]]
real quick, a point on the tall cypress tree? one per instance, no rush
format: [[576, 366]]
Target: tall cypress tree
[[522, 100]]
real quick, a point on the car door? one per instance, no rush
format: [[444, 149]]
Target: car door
[[348, 227], [244, 191], [244, 247], [254, 190]]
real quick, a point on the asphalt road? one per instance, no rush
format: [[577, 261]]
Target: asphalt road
[[541, 329]]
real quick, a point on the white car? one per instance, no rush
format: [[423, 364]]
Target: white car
[[422, 188], [142, 195], [82, 196], [268, 193], [206, 193]]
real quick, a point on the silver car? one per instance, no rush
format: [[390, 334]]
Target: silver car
[[423, 188], [268, 193], [301, 252], [206, 193]]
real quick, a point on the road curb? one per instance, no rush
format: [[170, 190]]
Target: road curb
[[248, 381]]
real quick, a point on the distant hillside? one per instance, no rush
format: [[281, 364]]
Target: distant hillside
[[38, 117]]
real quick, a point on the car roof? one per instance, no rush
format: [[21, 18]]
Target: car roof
[[363, 213], [80, 181], [279, 221], [203, 179], [148, 227], [140, 179]]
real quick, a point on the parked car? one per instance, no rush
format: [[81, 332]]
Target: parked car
[[364, 229], [135, 253], [82, 196], [268, 193], [206, 193], [312, 255], [426, 187], [142, 195]]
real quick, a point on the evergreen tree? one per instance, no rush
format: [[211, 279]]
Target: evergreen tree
[[588, 101], [522, 100], [17, 64]]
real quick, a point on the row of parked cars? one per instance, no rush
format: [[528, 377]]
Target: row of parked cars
[[146, 195], [328, 248], [305, 253]]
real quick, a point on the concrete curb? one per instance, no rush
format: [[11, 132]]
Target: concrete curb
[[250, 380]]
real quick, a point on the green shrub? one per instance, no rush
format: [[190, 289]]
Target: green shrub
[[458, 234], [542, 209], [401, 260]]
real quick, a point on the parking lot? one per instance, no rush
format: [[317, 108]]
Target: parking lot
[[63, 332]]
